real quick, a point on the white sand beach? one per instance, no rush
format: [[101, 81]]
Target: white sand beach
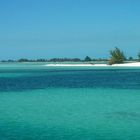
[[74, 65], [134, 64]]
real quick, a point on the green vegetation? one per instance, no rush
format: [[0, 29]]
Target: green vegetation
[[65, 60], [139, 57], [117, 56], [87, 59], [23, 60], [130, 58]]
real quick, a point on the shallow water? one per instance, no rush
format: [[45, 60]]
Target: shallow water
[[41, 103]]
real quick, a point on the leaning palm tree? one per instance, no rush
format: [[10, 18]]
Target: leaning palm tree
[[117, 56]]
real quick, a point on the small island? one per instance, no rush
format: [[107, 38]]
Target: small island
[[118, 58]]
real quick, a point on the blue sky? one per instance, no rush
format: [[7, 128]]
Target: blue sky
[[68, 28]]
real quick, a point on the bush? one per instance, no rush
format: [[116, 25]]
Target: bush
[[88, 58], [139, 57], [117, 56]]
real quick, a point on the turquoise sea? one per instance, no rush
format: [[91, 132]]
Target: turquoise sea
[[69, 103]]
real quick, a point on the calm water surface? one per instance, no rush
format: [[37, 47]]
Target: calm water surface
[[41, 103]]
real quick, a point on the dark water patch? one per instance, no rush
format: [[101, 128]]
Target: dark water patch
[[95, 78], [125, 115]]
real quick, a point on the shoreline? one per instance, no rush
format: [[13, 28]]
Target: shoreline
[[135, 64]]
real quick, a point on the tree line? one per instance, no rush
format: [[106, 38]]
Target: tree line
[[116, 57], [87, 59]]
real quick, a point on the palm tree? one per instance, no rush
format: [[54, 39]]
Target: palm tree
[[117, 56]]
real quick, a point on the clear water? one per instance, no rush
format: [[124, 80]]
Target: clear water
[[41, 103]]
